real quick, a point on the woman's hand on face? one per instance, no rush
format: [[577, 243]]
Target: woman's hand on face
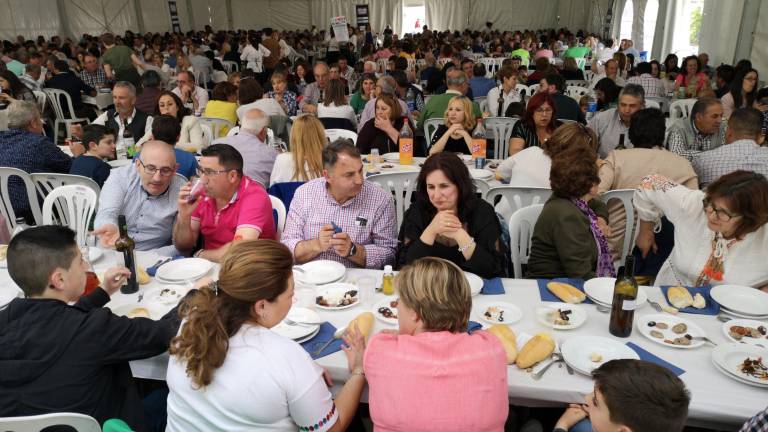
[[382, 123]]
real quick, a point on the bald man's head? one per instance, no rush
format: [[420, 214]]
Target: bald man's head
[[156, 166], [255, 121]]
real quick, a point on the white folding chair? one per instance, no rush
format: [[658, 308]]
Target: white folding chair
[[41, 99], [80, 422], [518, 197], [45, 183], [230, 66], [625, 196], [75, 206], [401, 185], [55, 99], [279, 207], [521, 226], [482, 187], [6, 207], [576, 92], [681, 109], [577, 83], [501, 130], [430, 127], [334, 134], [207, 133], [217, 125]]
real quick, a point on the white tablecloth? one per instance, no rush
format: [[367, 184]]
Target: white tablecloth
[[717, 401]]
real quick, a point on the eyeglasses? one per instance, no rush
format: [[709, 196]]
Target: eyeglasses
[[720, 214], [152, 170], [544, 111], [210, 172]]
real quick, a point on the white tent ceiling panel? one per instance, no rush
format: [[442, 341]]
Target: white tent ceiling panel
[[290, 14], [99, 16], [446, 14], [28, 18], [155, 15], [252, 14], [516, 14], [760, 44], [209, 12]]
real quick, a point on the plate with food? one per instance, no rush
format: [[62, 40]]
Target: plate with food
[[587, 353], [139, 310], [386, 311], [500, 313], [336, 296], [168, 295], [671, 331], [747, 331], [600, 290], [561, 316], [480, 174], [475, 283], [746, 363], [298, 331], [319, 272], [741, 299], [184, 269]]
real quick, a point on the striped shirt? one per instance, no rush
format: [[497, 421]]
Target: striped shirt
[[758, 423], [738, 155], [653, 87], [368, 218], [150, 218]]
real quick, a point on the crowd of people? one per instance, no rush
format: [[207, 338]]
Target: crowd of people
[[701, 199]]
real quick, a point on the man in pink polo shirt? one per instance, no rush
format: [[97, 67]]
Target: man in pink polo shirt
[[232, 207]]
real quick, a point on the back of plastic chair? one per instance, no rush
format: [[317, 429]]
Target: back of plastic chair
[[519, 197], [626, 197], [482, 187], [279, 208], [80, 422], [521, 226], [577, 83], [401, 185], [334, 134], [45, 183], [581, 62], [78, 203], [501, 130], [230, 66], [6, 206], [522, 89], [681, 109], [650, 103], [218, 127], [41, 99], [532, 89], [411, 64], [208, 136], [382, 62], [430, 127], [55, 97], [234, 131], [576, 92]]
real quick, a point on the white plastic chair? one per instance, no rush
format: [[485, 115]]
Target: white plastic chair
[[577, 83], [80, 422], [230, 66], [581, 62], [625, 196], [45, 183], [382, 63], [54, 98], [576, 92], [443, 61], [207, 133], [482, 187], [279, 207], [521, 226], [532, 89], [334, 134], [589, 75], [6, 208], [649, 103], [401, 185], [518, 197], [661, 103], [233, 131], [411, 64], [430, 127], [681, 109], [216, 125], [501, 131], [75, 206], [522, 89], [42, 99]]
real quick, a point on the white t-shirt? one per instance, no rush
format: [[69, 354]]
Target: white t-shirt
[[527, 168], [267, 383], [333, 111]]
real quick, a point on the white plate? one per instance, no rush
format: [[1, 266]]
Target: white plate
[[475, 283], [464, 157], [729, 356], [184, 269], [385, 303], [320, 272], [393, 157], [512, 313], [155, 311], [736, 377], [746, 323], [670, 320], [335, 292], [309, 336], [577, 317], [741, 299], [295, 332], [600, 290], [394, 167], [168, 295], [577, 352], [726, 311], [94, 253], [480, 174], [119, 162]]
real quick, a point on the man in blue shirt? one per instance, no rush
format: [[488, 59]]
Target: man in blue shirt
[[479, 84], [167, 129]]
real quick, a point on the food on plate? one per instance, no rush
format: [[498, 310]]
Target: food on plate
[[494, 313], [559, 317], [138, 312], [141, 276], [679, 297], [680, 328], [699, 302], [595, 358], [508, 340], [349, 297], [566, 292], [684, 340], [662, 326], [657, 334], [754, 368], [387, 166], [387, 312], [493, 165], [668, 309], [364, 323], [3, 252], [168, 296], [535, 350], [738, 332]]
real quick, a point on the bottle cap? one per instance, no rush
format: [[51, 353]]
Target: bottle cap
[[387, 269]]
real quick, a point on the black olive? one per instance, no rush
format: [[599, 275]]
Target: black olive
[[651, 323], [687, 336]]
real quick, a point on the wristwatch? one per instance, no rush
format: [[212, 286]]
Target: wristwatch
[[559, 430], [352, 250]]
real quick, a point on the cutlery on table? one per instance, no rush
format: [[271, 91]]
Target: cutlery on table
[[537, 375], [723, 318], [291, 322], [655, 306], [602, 308], [338, 334], [703, 338]]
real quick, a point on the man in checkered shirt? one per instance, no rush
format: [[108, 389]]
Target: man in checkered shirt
[[703, 130], [342, 217], [758, 423], [741, 152]]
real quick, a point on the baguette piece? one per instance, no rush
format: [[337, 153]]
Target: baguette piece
[[699, 302], [679, 297], [364, 323], [535, 350], [566, 292], [141, 276], [508, 340]]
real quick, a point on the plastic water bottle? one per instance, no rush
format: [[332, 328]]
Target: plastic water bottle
[[410, 100], [591, 105], [21, 225]]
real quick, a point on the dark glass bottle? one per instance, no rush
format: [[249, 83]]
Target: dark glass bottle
[[126, 245], [624, 301]]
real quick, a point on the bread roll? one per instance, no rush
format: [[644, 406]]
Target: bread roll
[[679, 297], [566, 292], [364, 323], [535, 350], [508, 340], [141, 276], [138, 312], [699, 302]]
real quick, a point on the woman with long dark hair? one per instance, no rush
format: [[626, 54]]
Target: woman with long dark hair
[[743, 92]]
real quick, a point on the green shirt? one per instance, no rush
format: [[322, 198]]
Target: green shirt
[[118, 58], [437, 104], [523, 54], [576, 52], [357, 102]]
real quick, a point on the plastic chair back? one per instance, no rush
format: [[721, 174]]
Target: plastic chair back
[[625, 196], [6, 207], [681, 109], [279, 208], [430, 127], [401, 185], [75, 207], [518, 197], [576, 92], [80, 422], [218, 127], [334, 134], [501, 130], [521, 226]]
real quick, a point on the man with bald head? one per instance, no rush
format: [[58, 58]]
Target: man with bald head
[[258, 157], [457, 84], [145, 192], [315, 92], [384, 85]]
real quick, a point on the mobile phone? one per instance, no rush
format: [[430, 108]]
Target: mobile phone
[[336, 228]]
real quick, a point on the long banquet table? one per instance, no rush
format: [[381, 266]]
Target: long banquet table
[[717, 401]]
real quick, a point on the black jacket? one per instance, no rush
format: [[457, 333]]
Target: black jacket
[[55, 357]]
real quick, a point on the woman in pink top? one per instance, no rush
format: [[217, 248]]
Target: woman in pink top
[[693, 80], [433, 375]]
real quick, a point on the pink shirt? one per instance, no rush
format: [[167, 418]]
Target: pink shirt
[[249, 207], [437, 381]]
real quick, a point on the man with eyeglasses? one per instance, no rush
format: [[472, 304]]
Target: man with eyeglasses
[[92, 74], [231, 206], [145, 192], [612, 125]]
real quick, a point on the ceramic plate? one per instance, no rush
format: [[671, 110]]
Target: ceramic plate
[[168, 295], [480, 174], [155, 311], [547, 315], [475, 283], [497, 312], [741, 299], [334, 293], [319, 272], [729, 358], [386, 303], [667, 334], [298, 331], [184, 269], [758, 338], [600, 290], [393, 157], [587, 353]]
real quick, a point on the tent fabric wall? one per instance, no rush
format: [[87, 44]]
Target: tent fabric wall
[[250, 14], [760, 44], [517, 14], [382, 12], [29, 18], [209, 12], [155, 15], [446, 14], [99, 16], [718, 36]]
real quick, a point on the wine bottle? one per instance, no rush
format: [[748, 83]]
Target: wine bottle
[[624, 301], [126, 245]]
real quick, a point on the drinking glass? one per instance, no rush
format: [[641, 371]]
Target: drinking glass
[[366, 287], [374, 156]]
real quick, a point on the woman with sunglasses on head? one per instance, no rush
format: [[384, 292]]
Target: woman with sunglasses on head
[[720, 233]]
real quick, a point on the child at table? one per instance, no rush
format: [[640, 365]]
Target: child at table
[[99, 142], [630, 396]]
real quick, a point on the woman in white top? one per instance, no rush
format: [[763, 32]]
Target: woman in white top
[[191, 138], [508, 77], [305, 160], [229, 371], [335, 104], [254, 53], [720, 234]]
